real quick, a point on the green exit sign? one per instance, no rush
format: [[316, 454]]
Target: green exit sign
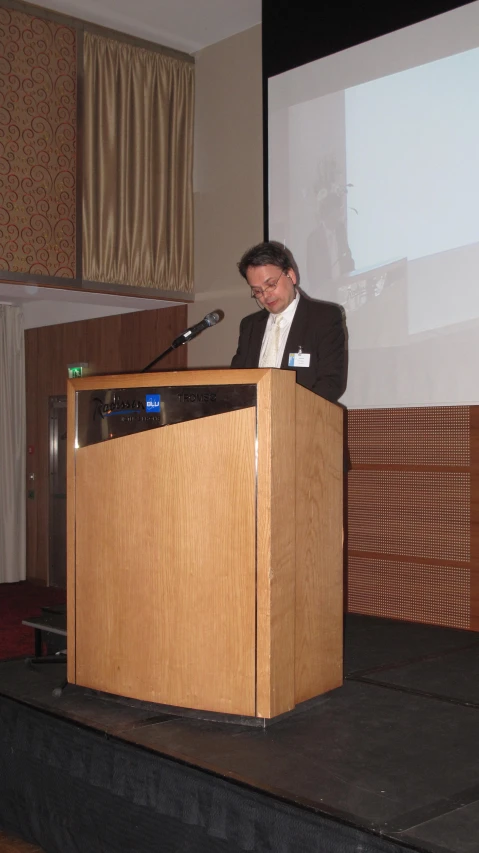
[[76, 370]]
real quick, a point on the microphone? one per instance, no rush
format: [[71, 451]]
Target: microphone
[[210, 320]]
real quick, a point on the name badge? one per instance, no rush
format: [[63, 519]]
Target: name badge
[[299, 359]]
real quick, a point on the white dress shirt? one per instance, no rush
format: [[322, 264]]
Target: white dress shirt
[[286, 320]]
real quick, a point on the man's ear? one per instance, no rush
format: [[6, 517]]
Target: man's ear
[[292, 275]]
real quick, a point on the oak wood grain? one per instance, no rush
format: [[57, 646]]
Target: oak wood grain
[[319, 552], [165, 564], [276, 543]]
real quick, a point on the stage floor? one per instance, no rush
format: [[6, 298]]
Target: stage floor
[[394, 752]]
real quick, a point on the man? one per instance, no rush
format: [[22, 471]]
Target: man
[[291, 331]]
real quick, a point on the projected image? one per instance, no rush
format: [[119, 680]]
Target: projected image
[[324, 205], [375, 187], [412, 154], [328, 250]]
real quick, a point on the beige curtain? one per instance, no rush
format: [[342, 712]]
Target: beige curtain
[[12, 445], [137, 166]]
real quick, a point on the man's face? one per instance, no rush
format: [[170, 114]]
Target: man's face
[[276, 299]]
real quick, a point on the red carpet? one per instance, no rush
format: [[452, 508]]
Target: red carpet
[[17, 602]]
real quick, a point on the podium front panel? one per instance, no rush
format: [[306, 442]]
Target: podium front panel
[[165, 577]]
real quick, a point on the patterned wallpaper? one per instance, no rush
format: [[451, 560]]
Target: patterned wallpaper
[[37, 145]]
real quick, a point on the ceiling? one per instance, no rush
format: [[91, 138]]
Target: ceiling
[[187, 25], [45, 306], [17, 294]]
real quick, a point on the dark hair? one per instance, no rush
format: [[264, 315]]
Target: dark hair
[[268, 253]]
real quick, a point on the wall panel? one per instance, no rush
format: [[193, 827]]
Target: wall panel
[[410, 513], [38, 117], [417, 592], [474, 416], [413, 512]]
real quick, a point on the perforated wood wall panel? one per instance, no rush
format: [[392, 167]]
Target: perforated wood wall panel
[[420, 514], [436, 594], [427, 436], [412, 530]]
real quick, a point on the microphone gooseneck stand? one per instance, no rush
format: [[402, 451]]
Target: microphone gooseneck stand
[[171, 348], [210, 320]]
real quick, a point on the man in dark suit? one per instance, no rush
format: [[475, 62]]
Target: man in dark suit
[[291, 331]]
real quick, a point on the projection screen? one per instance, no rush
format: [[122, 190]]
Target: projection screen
[[374, 185]]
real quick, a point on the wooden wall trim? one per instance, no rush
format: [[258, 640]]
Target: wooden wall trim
[[413, 514], [474, 416]]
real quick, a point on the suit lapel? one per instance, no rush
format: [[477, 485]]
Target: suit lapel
[[257, 334], [296, 332]]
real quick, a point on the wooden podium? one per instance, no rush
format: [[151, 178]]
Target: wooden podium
[[205, 539]]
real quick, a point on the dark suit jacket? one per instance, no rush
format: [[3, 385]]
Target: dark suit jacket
[[319, 329]]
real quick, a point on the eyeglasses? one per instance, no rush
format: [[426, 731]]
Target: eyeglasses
[[260, 292]]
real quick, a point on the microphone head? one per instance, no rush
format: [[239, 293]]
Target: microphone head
[[215, 317]]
